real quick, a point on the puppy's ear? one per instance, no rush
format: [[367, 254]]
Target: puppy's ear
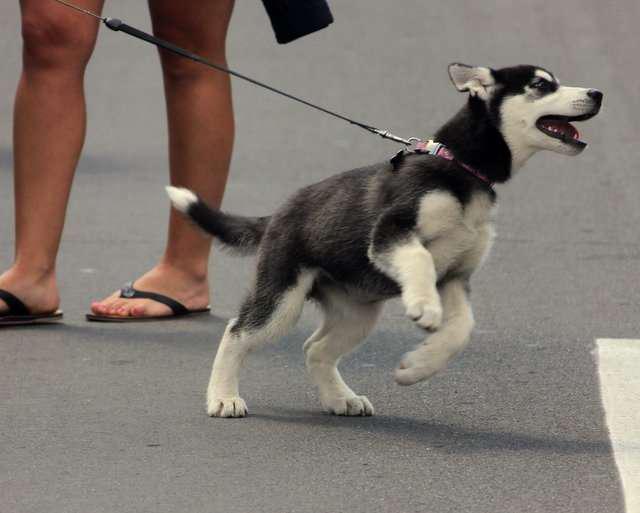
[[477, 80]]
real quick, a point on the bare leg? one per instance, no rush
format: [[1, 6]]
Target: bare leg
[[346, 323], [452, 337], [49, 129], [201, 130]]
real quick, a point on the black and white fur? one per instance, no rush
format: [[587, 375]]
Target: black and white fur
[[359, 238]]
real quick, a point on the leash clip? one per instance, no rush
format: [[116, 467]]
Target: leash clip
[[385, 134], [412, 144]]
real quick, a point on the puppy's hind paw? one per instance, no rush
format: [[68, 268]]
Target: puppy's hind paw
[[357, 406], [227, 407], [420, 364], [409, 376]]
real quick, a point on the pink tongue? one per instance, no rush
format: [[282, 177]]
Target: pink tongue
[[562, 127]]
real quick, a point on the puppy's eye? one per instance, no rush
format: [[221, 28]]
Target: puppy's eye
[[542, 85]]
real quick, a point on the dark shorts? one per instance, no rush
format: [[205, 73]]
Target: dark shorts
[[292, 19]]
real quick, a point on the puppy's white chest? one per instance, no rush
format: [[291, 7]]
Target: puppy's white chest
[[458, 237]]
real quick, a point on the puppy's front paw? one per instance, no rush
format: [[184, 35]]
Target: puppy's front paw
[[426, 314], [421, 364], [357, 406], [226, 407]]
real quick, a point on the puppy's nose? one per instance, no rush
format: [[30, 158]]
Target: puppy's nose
[[595, 95]]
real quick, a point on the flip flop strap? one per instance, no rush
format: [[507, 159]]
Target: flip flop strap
[[129, 292], [16, 307]]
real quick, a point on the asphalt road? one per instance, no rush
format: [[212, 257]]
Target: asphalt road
[[111, 418]]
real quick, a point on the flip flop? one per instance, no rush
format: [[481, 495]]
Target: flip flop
[[19, 314], [129, 292]]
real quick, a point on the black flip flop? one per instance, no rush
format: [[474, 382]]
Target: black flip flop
[[129, 292], [19, 314]]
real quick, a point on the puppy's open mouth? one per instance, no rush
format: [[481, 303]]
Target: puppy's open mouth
[[560, 127]]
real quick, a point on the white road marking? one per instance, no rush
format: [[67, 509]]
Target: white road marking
[[619, 369]]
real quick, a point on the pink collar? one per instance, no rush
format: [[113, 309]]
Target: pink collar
[[440, 150]]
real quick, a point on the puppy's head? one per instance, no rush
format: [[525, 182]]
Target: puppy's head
[[529, 107]]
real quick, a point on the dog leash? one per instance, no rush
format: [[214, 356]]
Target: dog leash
[[119, 26], [419, 146]]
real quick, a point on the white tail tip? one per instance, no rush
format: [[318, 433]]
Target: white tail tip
[[181, 198]]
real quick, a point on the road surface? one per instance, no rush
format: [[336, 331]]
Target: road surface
[[108, 418]]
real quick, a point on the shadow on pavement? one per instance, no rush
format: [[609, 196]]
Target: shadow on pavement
[[441, 436], [176, 330]]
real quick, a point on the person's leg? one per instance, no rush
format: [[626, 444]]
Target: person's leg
[[201, 132], [49, 128]]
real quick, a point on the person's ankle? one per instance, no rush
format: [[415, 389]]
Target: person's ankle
[[37, 273], [36, 287], [191, 271]]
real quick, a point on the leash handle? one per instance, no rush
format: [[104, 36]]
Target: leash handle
[[119, 26]]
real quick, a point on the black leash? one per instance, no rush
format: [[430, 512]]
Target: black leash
[[119, 26]]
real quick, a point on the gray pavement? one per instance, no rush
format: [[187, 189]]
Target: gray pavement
[[111, 418]]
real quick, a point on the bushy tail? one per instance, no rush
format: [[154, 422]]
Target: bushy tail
[[239, 233]]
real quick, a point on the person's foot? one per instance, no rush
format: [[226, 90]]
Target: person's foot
[[192, 292], [38, 291]]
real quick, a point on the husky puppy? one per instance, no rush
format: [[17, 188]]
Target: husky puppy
[[417, 228]]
